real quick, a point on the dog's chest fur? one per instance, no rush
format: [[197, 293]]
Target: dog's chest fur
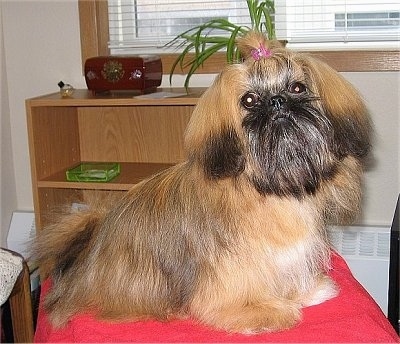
[[268, 240]]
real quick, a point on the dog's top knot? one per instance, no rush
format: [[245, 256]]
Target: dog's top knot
[[256, 45]]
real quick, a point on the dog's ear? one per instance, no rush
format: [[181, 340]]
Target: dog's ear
[[213, 136], [344, 108], [223, 155]]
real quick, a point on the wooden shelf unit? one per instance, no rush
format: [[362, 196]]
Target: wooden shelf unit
[[145, 135]]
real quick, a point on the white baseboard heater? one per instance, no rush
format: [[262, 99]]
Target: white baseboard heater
[[366, 250]]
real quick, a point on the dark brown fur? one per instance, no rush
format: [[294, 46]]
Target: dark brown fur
[[235, 235]]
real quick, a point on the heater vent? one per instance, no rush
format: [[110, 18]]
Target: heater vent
[[367, 252], [368, 242]]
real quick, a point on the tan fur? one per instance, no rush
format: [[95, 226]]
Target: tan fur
[[210, 238]]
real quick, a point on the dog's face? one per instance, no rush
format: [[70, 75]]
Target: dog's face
[[285, 121]]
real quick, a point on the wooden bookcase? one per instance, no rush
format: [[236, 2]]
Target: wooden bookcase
[[144, 135]]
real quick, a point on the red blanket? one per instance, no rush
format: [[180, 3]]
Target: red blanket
[[353, 316]]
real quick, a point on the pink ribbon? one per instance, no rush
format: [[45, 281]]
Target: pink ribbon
[[260, 53]]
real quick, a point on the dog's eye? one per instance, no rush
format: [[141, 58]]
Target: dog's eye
[[250, 99], [297, 88]]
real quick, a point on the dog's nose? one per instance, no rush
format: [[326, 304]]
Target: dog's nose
[[277, 102]]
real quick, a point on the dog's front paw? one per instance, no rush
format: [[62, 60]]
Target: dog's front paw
[[324, 290], [268, 319], [252, 319]]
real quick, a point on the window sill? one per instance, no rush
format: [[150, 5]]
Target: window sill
[[342, 61]]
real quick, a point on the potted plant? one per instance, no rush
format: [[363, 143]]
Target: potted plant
[[201, 41]]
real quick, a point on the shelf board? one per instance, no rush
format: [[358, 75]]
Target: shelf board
[[131, 174], [84, 97]]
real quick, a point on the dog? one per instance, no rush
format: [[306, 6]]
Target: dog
[[234, 236]]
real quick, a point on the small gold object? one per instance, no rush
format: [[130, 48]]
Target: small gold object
[[66, 90], [112, 71]]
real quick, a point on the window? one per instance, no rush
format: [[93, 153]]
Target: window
[[94, 29], [146, 25], [341, 21], [367, 20]]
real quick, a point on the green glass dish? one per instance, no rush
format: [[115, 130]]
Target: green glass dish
[[101, 172]]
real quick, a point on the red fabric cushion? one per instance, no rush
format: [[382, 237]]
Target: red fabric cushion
[[353, 316]]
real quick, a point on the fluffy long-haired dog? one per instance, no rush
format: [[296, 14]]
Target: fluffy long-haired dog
[[234, 236]]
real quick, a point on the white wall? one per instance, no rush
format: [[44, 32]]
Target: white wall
[[8, 195], [42, 47], [381, 92]]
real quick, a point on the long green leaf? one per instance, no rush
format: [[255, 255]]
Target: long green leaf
[[198, 62], [203, 40], [230, 51], [180, 60]]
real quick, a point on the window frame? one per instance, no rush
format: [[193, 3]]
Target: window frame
[[93, 20]]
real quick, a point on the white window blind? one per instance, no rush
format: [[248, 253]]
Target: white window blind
[[146, 25]]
